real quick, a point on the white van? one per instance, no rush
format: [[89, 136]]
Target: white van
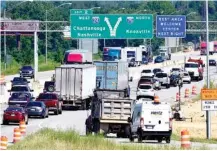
[[151, 121]]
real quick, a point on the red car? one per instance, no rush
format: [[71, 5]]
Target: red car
[[14, 114], [51, 101]]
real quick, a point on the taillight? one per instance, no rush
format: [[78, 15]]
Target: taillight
[[141, 122], [170, 119]]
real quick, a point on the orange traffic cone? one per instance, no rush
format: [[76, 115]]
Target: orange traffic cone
[[185, 139], [22, 127], [17, 135], [186, 93], [4, 143], [194, 90]]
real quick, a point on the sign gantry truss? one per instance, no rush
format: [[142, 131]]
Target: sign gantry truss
[[192, 27]]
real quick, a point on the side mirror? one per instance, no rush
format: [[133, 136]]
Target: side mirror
[[129, 120], [9, 90], [31, 90]]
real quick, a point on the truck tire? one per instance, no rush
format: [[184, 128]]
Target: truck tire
[[167, 140], [159, 139]]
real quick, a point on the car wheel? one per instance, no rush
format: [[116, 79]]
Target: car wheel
[[5, 122], [60, 110], [189, 82], [139, 138], [56, 112], [27, 120]]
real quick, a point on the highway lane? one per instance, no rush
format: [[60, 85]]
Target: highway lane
[[76, 119]]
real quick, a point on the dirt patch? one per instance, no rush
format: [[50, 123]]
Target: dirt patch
[[197, 128]]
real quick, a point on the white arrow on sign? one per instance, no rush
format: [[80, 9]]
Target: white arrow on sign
[[113, 31]]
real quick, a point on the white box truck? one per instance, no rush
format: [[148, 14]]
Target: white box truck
[[134, 53], [75, 84]]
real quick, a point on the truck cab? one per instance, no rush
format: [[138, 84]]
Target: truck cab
[[151, 120], [195, 68], [203, 48], [113, 54], [78, 56], [165, 53]]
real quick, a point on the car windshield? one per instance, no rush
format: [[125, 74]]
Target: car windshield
[[146, 71], [175, 69], [190, 65], [19, 79], [185, 74], [145, 80], [14, 109], [26, 67], [47, 96], [20, 95], [39, 104], [145, 87], [156, 70], [161, 75], [19, 88]]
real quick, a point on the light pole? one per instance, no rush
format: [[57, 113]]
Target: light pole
[[208, 117], [5, 43], [47, 11]]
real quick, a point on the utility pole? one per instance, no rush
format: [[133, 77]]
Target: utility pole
[[46, 40], [208, 116], [104, 43], [5, 50], [0, 45]]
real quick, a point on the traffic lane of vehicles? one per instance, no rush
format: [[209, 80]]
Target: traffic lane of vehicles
[[169, 95]]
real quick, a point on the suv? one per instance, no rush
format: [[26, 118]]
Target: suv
[[49, 86], [20, 88], [52, 101], [163, 78], [27, 71]]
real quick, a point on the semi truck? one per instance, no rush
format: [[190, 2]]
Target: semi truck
[[75, 84], [134, 53], [109, 113], [78, 56], [203, 48], [147, 55], [112, 75], [165, 52], [114, 54]]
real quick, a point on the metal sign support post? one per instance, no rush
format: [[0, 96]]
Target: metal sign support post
[[35, 55], [208, 116]]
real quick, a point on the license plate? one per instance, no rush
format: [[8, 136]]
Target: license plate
[[32, 109], [12, 114], [149, 127]]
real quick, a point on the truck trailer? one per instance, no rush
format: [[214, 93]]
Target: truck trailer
[[75, 84], [112, 75]]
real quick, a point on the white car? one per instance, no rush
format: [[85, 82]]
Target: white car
[[186, 77], [145, 90], [147, 72]]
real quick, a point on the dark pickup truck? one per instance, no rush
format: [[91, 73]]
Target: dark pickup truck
[[20, 99]]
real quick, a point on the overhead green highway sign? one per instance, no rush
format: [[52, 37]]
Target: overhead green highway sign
[[81, 11], [112, 26]]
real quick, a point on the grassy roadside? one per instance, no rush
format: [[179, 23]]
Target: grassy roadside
[[42, 66], [198, 140], [70, 140]]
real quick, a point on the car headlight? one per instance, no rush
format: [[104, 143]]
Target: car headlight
[[40, 110]]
